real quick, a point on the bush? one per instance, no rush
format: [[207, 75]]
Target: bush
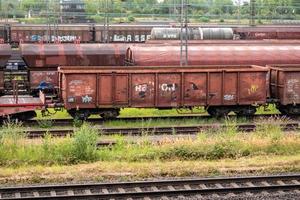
[[85, 143], [222, 20], [204, 19], [131, 18]]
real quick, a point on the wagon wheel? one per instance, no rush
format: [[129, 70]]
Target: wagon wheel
[[246, 111], [110, 114], [283, 110], [79, 115], [218, 111]]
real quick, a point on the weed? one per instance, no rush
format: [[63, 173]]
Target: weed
[[77, 122], [85, 143], [46, 123]]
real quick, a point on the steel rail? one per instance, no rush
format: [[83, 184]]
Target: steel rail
[[204, 186], [171, 130], [69, 121]]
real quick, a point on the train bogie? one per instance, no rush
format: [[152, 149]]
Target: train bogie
[[233, 88]]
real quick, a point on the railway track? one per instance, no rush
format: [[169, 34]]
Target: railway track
[[171, 130], [157, 189], [69, 121]]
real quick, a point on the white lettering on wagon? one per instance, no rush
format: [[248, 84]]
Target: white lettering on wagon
[[166, 87], [75, 82], [141, 88], [228, 97]]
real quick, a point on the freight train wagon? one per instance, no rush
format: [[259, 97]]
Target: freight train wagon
[[134, 33], [220, 89]]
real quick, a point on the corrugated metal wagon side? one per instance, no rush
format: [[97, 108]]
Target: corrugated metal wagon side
[[285, 87], [220, 89]]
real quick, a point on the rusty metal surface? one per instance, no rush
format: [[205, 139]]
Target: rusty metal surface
[[285, 83], [257, 33], [36, 77], [53, 55], [165, 87], [227, 42], [1, 82], [12, 105], [5, 53], [161, 55], [64, 33]]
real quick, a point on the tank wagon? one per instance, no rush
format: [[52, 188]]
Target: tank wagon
[[220, 89], [43, 59], [192, 34], [215, 54]]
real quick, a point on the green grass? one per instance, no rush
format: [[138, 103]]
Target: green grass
[[227, 143]]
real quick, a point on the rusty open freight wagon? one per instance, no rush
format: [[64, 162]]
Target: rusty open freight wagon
[[220, 89], [285, 87]]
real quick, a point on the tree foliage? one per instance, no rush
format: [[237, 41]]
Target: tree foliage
[[265, 9]]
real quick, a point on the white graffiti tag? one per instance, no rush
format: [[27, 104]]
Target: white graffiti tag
[[168, 87], [86, 99]]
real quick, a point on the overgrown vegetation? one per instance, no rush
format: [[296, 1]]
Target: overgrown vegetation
[[16, 150]]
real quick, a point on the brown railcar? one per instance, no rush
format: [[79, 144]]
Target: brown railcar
[[258, 33], [226, 42], [31, 33], [43, 79], [215, 54], [5, 53], [285, 87], [1, 82], [221, 89], [53, 55]]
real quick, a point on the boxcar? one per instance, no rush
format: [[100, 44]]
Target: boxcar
[[220, 89], [285, 87], [36, 32]]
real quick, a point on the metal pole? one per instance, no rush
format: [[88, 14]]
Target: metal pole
[[184, 33], [252, 13], [239, 11]]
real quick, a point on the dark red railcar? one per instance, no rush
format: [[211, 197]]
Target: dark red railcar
[[53, 55], [226, 42], [1, 82], [257, 33], [214, 54], [221, 89], [43, 79], [21, 106], [66, 33], [285, 87], [5, 53]]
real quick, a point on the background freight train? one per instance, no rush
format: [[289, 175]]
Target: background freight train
[[43, 59], [120, 33]]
